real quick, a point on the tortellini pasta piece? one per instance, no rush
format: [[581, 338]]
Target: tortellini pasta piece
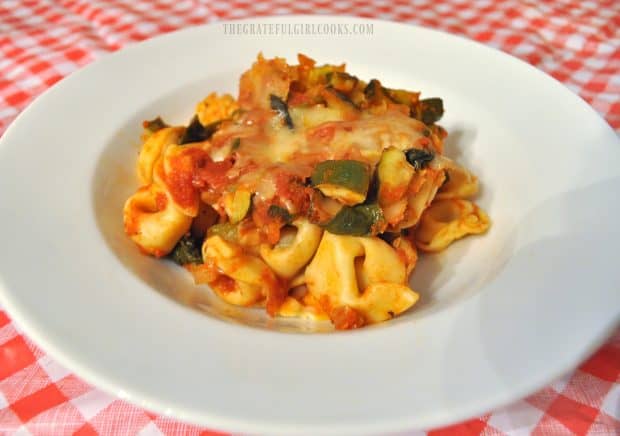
[[299, 279], [153, 222], [460, 183], [245, 279], [407, 252], [422, 190], [153, 148], [294, 249], [445, 221], [175, 171], [362, 273]]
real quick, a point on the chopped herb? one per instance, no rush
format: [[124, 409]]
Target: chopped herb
[[196, 132], [419, 158], [278, 105], [187, 251], [235, 144]]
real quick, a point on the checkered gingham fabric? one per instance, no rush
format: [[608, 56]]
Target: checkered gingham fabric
[[41, 41]]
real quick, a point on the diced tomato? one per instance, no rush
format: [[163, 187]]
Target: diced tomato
[[161, 201], [270, 226], [224, 284], [424, 142], [277, 291], [347, 318], [290, 189], [180, 175], [209, 174], [323, 133], [298, 99]]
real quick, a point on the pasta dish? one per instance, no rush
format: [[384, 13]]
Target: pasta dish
[[310, 194]]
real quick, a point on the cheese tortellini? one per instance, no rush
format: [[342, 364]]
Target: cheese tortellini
[[153, 221], [422, 190], [362, 273], [460, 183], [294, 249], [244, 279], [445, 221], [161, 212], [152, 150]]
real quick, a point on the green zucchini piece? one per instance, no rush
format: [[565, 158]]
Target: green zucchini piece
[[429, 110], [319, 74], [340, 102], [402, 96], [280, 212], [196, 132], [394, 173], [419, 158], [343, 82], [373, 89], [278, 105], [360, 220], [376, 94], [227, 231], [236, 143], [344, 180], [341, 96], [186, 251], [238, 205], [322, 208]]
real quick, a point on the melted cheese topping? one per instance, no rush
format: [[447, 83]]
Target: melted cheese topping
[[265, 143]]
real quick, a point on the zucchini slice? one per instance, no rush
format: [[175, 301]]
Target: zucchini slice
[[227, 231], [428, 110], [376, 94], [402, 96], [344, 180], [237, 205], [281, 213], [360, 220], [340, 102], [341, 81], [319, 74], [394, 174]]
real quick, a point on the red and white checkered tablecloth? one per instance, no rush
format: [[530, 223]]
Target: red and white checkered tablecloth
[[41, 41]]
